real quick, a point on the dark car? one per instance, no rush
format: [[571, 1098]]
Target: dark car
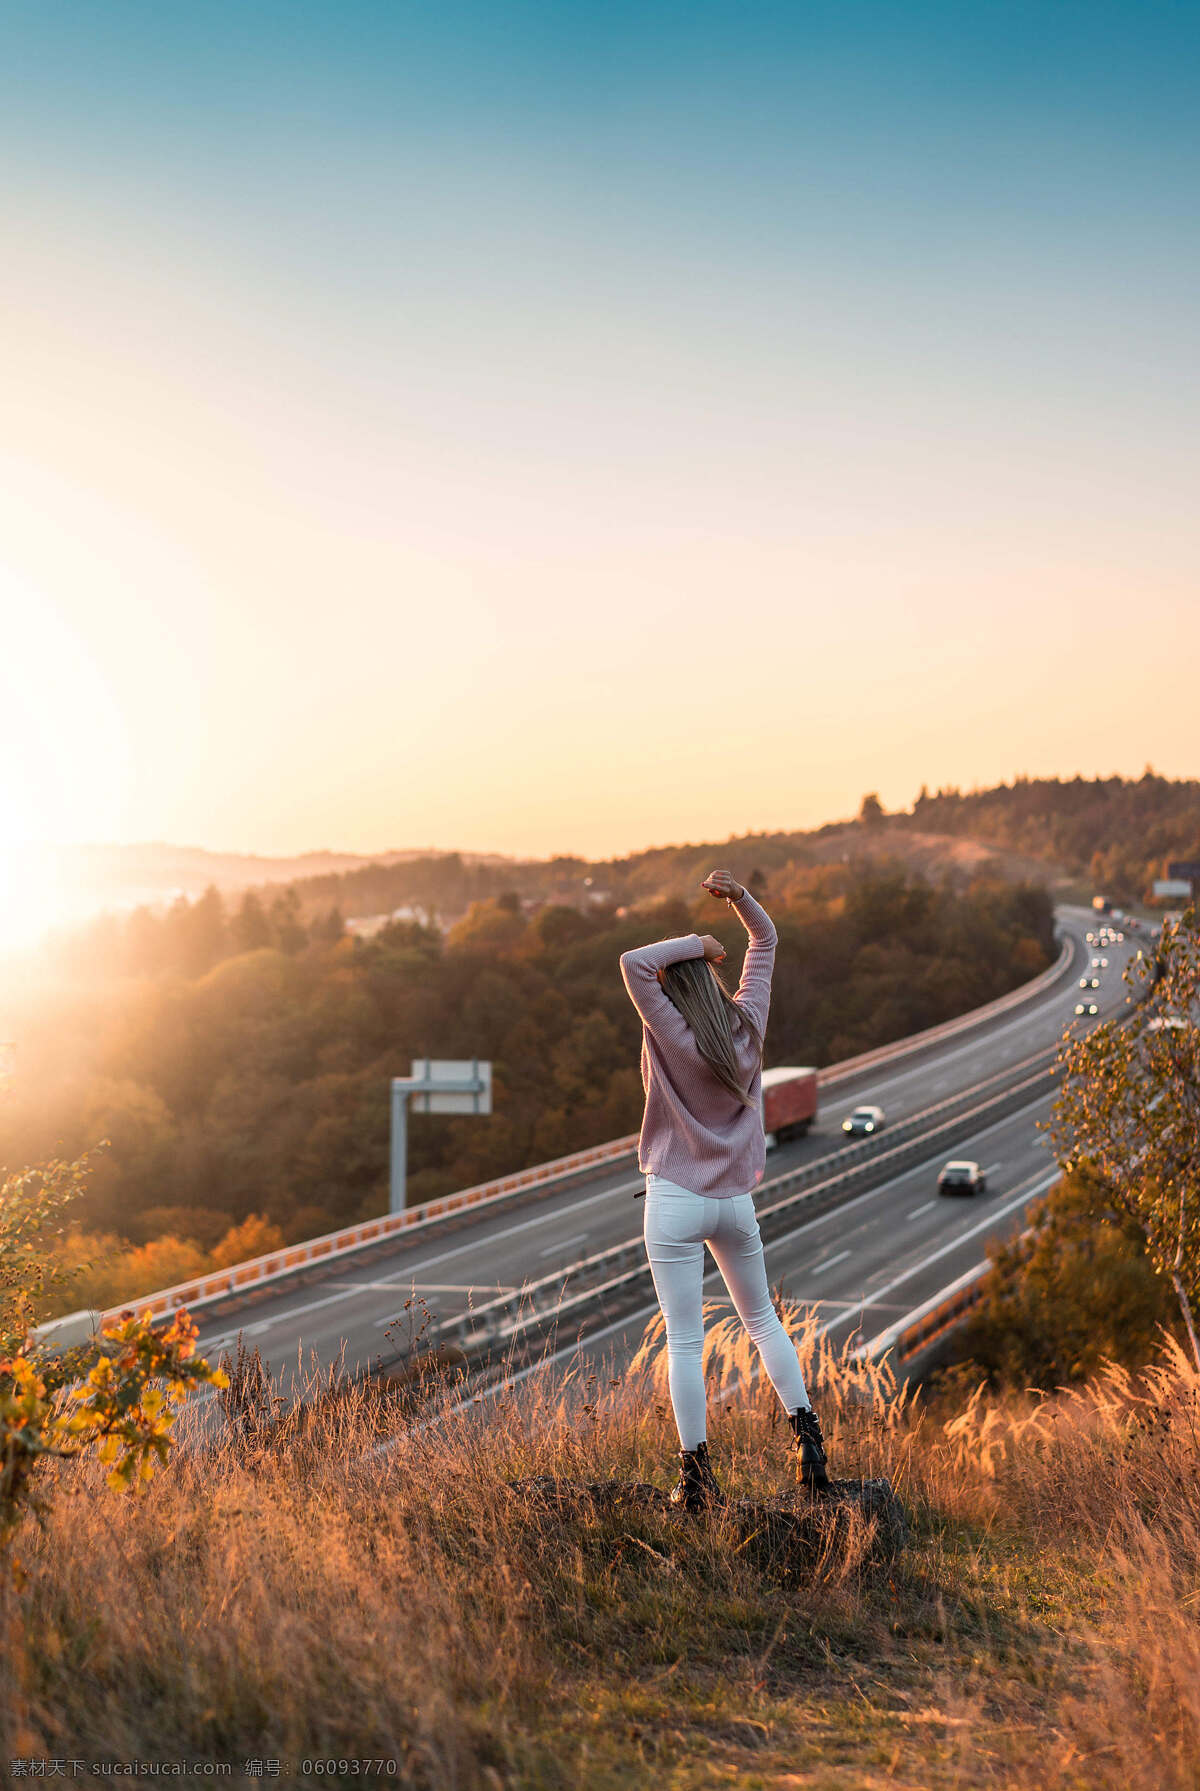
[[962, 1177]]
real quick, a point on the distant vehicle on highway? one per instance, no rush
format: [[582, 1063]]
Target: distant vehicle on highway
[[1086, 1007], [1099, 963], [863, 1121], [1089, 982], [789, 1103], [962, 1177]]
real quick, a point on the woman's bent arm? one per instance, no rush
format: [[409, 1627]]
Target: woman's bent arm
[[639, 970], [754, 990]]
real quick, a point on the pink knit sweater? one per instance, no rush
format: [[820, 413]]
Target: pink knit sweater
[[693, 1130]]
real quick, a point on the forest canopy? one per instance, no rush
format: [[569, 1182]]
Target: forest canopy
[[1117, 831]]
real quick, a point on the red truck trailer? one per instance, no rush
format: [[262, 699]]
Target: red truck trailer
[[789, 1103]]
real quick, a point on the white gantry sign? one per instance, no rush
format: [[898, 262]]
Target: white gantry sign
[[437, 1085]]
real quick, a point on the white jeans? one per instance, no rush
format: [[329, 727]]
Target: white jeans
[[678, 1224]]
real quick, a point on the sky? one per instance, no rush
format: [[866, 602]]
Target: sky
[[564, 427]]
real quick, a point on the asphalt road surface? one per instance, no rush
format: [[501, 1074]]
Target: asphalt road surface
[[862, 1266]]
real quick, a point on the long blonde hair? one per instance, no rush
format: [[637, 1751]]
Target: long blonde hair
[[696, 988]]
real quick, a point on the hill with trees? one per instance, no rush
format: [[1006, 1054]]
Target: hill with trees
[[1116, 831]]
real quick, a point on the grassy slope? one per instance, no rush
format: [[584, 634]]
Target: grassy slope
[[1041, 1628]]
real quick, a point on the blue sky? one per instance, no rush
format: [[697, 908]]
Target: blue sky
[[409, 379]]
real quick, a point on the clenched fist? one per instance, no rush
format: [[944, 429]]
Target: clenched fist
[[721, 883]]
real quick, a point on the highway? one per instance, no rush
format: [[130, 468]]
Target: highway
[[861, 1265]]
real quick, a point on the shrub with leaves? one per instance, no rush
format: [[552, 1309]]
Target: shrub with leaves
[[1129, 1110], [1073, 1291], [113, 1393]]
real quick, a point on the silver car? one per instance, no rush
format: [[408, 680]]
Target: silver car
[[863, 1122]]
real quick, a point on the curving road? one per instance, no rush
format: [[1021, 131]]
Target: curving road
[[862, 1265]]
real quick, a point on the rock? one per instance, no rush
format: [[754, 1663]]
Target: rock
[[789, 1532]]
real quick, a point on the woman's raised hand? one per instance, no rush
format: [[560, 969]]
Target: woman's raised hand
[[714, 951], [722, 884]]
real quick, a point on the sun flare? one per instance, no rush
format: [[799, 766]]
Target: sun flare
[[63, 758]]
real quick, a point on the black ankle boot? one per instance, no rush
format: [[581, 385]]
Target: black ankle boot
[[696, 1486], [811, 1445]]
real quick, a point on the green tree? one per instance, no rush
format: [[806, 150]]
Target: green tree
[[330, 928], [1129, 1110], [206, 933], [489, 927], [871, 811], [556, 926], [1074, 1290], [250, 929], [291, 934]]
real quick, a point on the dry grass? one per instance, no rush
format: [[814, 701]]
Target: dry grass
[[308, 1597]]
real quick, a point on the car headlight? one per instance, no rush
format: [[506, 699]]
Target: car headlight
[[870, 1126], [846, 1126]]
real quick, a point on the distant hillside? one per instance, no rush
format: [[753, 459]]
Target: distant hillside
[[145, 868], [444, 887], [1113, 830]]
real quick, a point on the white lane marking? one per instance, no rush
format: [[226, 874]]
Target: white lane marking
[[474, 1287], [962, 1237], [280, 1318], [918, 1210], [828, 1263], [578, 1344], [403, 1279], [838, 1213], [423, 1287], [976, 1269], [992, 1168], [553, 1211], [564, 1244]]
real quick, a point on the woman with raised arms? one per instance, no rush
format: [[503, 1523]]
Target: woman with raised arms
[[702, 1151]]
